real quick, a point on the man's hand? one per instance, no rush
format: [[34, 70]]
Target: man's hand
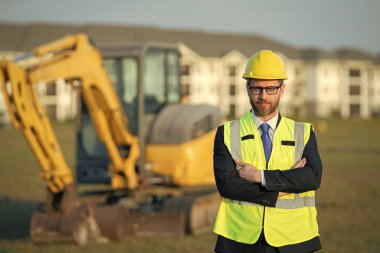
[[299, 164], [249, 172]]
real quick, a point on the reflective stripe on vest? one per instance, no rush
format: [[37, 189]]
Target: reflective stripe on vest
[[235, 142], [298, 137], [297, 202], [243, 203]]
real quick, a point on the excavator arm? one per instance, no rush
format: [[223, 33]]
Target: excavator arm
[[76, 60]]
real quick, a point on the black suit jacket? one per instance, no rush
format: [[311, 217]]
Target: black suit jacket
[[231, 186]]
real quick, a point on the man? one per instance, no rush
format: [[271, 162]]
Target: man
[[267, 168]]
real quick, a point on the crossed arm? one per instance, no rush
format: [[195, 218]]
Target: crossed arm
[[305, 176]]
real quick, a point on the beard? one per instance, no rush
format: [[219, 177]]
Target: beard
[[261, 111]]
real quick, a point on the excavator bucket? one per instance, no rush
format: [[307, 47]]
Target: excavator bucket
[[99, 224], [78, 226]]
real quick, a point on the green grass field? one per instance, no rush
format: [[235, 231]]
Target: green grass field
[[347, 201]]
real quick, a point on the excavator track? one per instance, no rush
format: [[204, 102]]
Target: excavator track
[[191, 213], [199, 209]]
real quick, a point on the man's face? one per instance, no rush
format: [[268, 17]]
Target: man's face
[[264, 104]]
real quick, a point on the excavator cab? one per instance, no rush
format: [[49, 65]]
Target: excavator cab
[[147, 82], [146, 79]]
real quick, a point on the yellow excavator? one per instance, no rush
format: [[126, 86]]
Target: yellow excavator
[[151, 155]]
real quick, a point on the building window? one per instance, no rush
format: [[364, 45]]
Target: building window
[[297, 111], [354, 73], [232, 110], [185, 70], [232, 89], [185, 89], [355, 109], [51, 89], [232, 71], [297, 71], [354, 90]]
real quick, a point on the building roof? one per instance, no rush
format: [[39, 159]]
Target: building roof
[[23, 37], [316, 53], [340, 54], [353, 54], [377, 59]]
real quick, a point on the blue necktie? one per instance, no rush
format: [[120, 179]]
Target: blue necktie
[[267, 143]]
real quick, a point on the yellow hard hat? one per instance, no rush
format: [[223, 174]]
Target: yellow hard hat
[[265, 64]]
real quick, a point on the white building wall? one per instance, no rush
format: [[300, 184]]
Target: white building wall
[[63, 104], [240, 100], [365, 111], [5, 119], [66, 101], [327, 91], [344, 91], [206, 81], [375, 91], [362, 99], [4, 116], [292, 100], [299, 95]]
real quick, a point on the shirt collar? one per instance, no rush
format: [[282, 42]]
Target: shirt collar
[[272, 122]]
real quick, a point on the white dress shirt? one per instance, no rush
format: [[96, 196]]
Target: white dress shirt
[[272, 128]]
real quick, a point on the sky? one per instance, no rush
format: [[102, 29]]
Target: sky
[[324, 24]]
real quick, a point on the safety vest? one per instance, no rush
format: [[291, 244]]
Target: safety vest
[[293, 220]]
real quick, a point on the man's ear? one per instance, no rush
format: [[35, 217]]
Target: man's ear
[[282, 89], [247, 87]]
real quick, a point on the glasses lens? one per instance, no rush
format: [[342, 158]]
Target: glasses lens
[[271, 90], [256, 90]]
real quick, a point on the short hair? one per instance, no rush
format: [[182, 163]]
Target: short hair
[[280, 81]]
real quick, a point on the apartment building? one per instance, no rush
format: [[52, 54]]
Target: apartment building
[[341, 83], [375, 88], [344, 83]]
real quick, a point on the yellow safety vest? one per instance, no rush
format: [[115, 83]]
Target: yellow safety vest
[[293, 220]]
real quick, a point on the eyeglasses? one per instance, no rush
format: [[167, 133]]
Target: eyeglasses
[[270, 90]]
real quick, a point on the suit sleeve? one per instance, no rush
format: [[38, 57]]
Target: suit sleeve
[[301, 179], [228, 182]]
